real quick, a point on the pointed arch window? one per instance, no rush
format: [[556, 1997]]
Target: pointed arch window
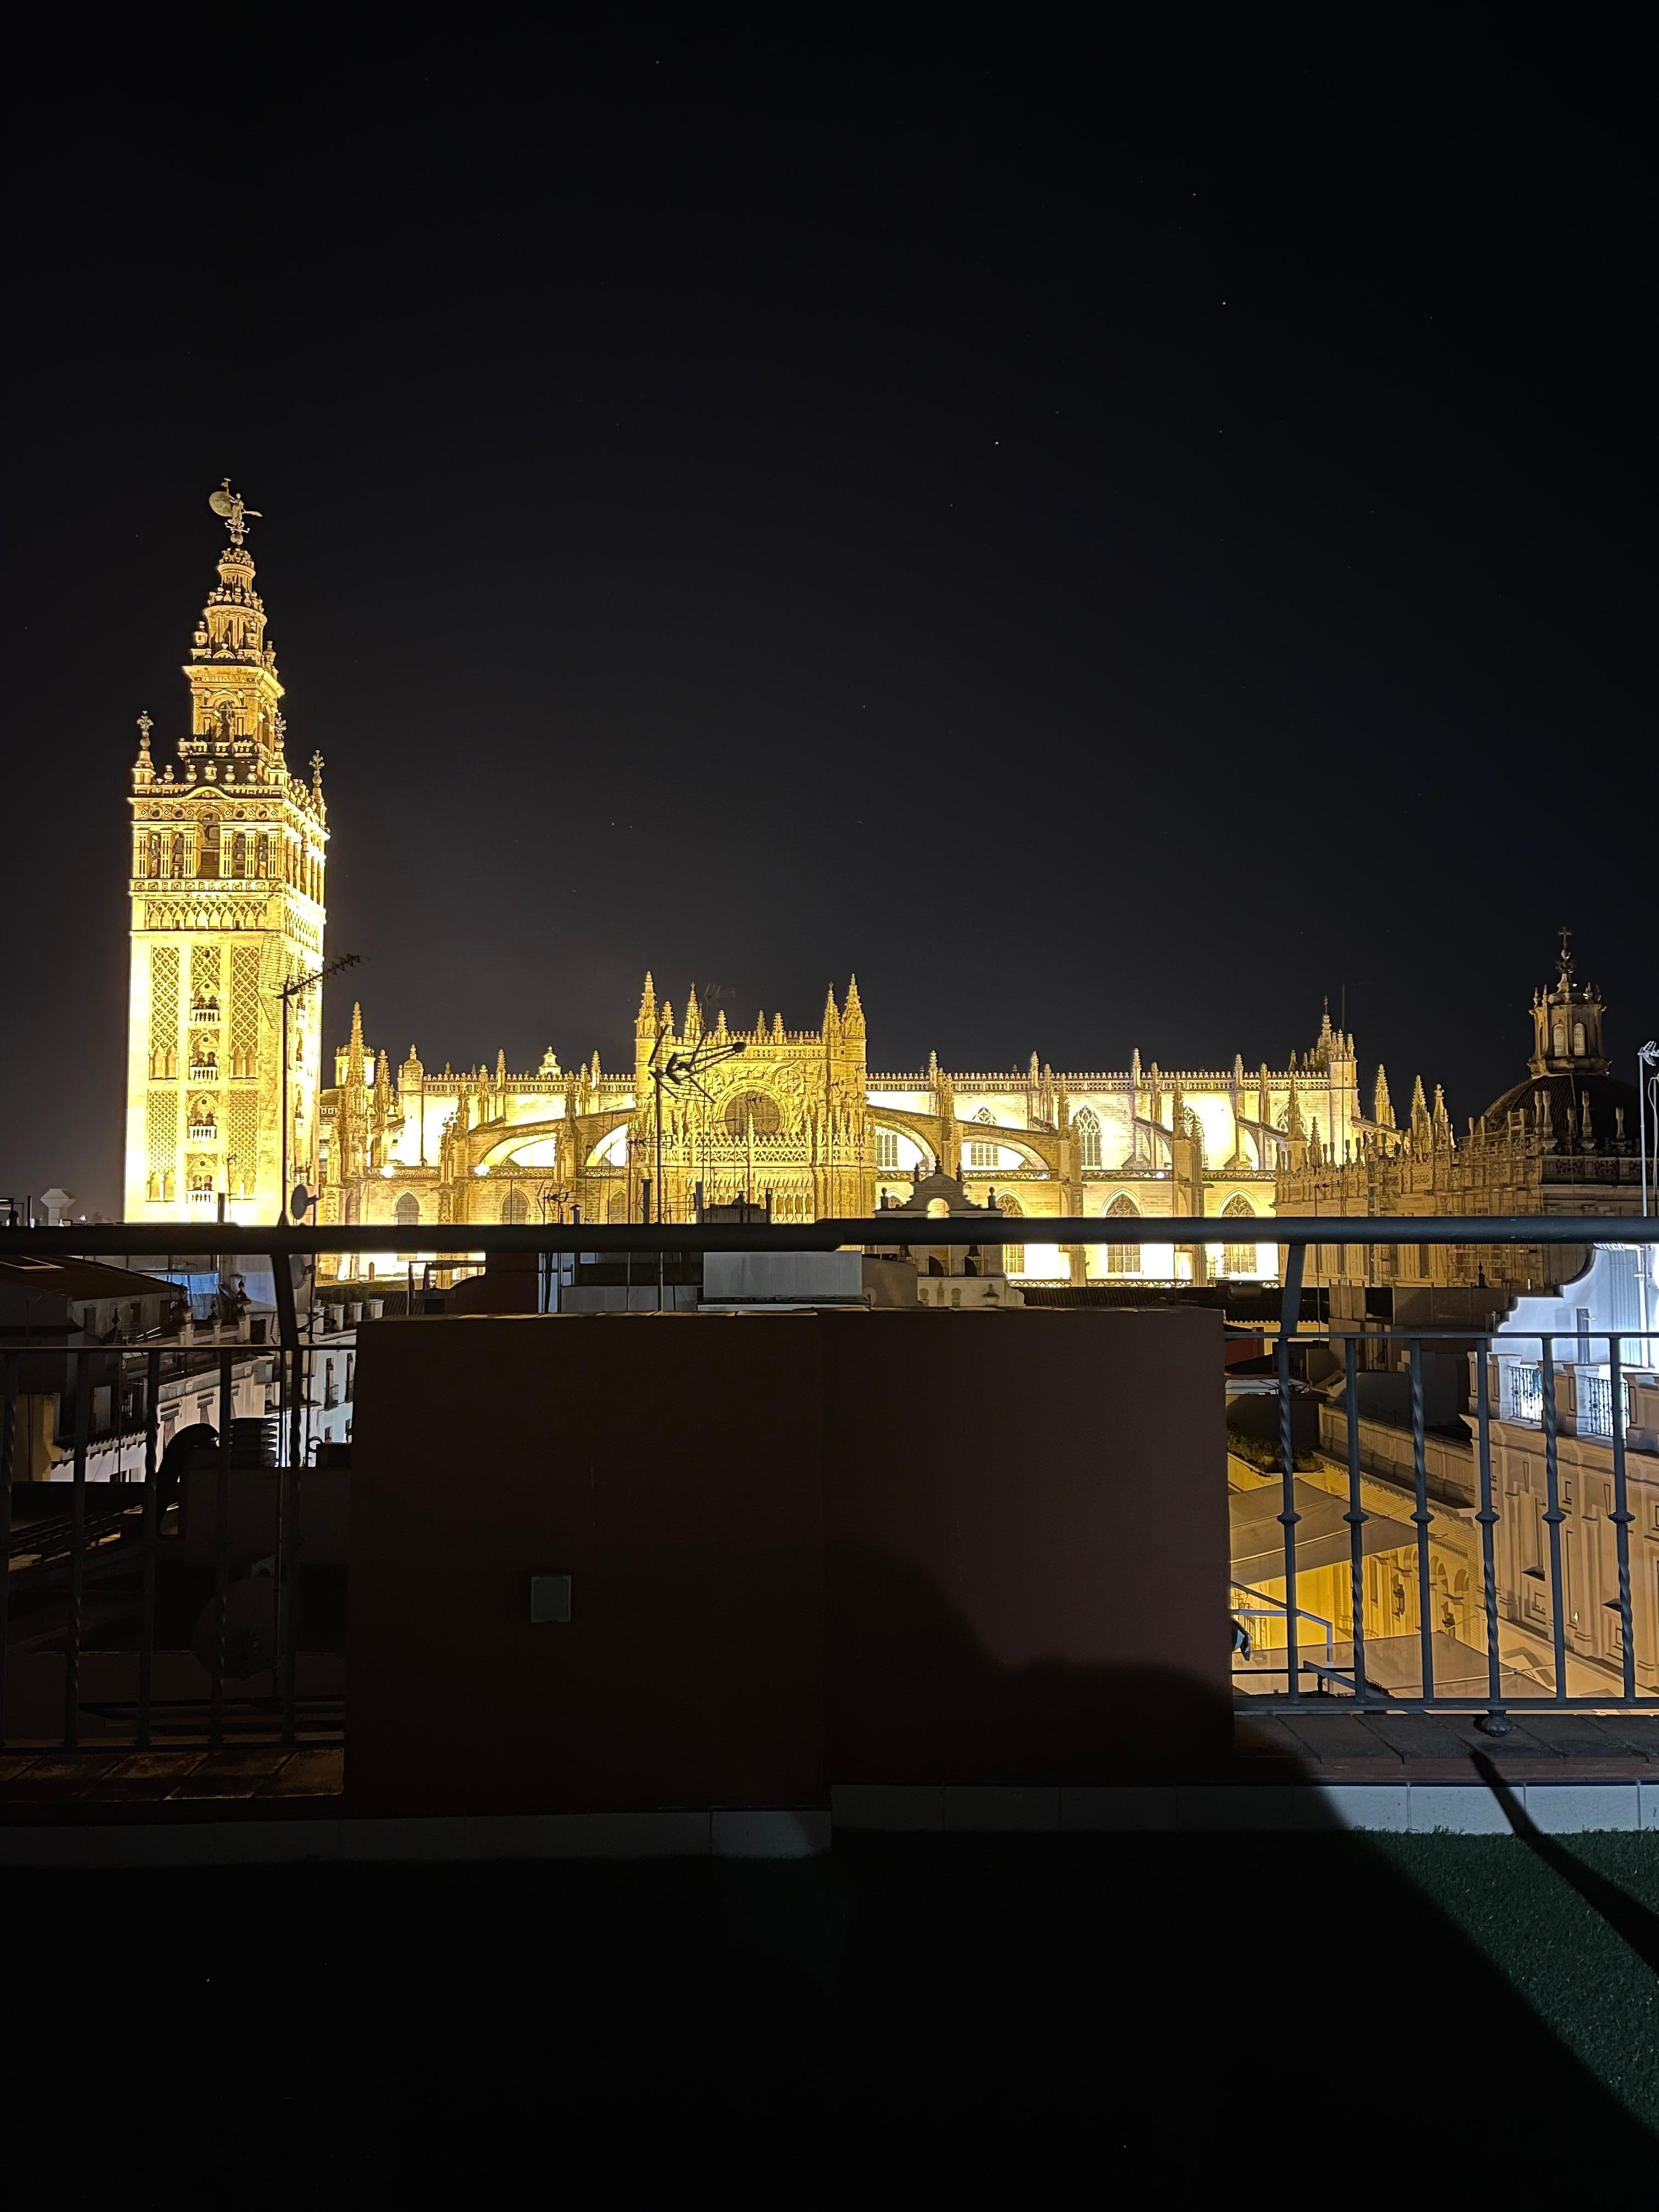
[[887, 1158], [1013, 1256], [1087, 1124], [1123, 1259], [1240, 1259]]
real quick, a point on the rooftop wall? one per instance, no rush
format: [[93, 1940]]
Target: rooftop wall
[[876, 1546]]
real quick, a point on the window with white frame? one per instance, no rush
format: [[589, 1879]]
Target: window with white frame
[[1523, 1394], [1595, 1403]]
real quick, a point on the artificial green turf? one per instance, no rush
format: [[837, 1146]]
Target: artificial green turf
[[1177, 2010], [1556, 1947]]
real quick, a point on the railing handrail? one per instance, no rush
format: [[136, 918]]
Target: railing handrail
[[462, 1239]]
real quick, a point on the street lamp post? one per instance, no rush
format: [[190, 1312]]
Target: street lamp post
[[286, 992], [1647, 1093]]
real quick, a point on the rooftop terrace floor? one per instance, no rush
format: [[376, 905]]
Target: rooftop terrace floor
[[1177, 2008]]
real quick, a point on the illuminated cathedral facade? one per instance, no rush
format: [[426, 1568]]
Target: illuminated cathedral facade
[[227, 1108], [797, 1121]]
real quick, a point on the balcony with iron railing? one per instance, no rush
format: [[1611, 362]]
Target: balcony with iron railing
[[1368, 1587]]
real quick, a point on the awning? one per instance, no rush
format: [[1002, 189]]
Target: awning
[[1321, 1534]]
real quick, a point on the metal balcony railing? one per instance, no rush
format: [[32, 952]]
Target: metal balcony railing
[[1488, 1564]]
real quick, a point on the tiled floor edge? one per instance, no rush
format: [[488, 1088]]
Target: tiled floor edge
[[1419, 1807]]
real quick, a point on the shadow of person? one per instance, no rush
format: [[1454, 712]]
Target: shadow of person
[[1265, 1990], [1626, 1915]]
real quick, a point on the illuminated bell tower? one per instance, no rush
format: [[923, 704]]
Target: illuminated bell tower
[[1566, 1024], [228, 852]]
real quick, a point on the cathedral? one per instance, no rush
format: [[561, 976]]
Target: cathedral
[[227, 1109]]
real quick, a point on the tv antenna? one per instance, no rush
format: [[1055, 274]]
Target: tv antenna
[[680, 1071]]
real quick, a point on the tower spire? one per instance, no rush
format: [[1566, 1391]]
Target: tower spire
[[232, 672], [228, 902]]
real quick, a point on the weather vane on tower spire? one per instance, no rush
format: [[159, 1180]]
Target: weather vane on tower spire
[[233, 510]]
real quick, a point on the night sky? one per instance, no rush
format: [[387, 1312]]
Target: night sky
[[1113, 543]]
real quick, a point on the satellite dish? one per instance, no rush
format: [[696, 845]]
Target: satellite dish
[[221, 502], [300, 1202]]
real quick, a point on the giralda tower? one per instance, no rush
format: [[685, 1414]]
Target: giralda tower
[[228, 851]]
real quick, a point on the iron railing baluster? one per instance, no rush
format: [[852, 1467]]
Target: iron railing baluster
[[295, 1556], [293, 1473], [1495, 1722], [1553, 1516], [1356, 1516], [78, 1551], [1621, 1517], [8, 1450], [1288, 1518], [152, 1528], [1422, 1517], [221, 1552]]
